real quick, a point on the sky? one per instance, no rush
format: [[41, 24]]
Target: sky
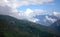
[[28, 9]]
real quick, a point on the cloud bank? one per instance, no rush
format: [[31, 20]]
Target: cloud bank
[[50, 19], [9, 7], [57, 14]]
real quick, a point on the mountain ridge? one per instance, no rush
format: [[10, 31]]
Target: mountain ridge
[[44, 21], [56, 25], [24, 28]]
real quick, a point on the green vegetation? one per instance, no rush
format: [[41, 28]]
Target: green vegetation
[[12, 27]]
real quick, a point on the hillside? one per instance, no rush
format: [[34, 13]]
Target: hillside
[[56, 25], [12, 27]]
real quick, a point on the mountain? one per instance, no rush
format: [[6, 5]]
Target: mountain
[[12, 27], [44, 21], [56, 25]]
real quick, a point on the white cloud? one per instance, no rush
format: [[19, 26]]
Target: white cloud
[[50, 19], [9, 7], [30, 14], [6, 10], [34, 20], [34, 12], [16, 3], [57, 14]]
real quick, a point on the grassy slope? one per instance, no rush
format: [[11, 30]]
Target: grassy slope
[[11, 27]]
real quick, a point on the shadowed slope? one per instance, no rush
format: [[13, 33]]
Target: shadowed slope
[[12, 27]]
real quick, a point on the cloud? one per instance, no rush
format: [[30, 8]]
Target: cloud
[[57, 14], [6, 10], [34, 12], [9, 7], [16, 3], [50, 19], [30, 14]]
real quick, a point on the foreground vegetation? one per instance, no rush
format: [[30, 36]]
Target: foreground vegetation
[[12, 27]]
